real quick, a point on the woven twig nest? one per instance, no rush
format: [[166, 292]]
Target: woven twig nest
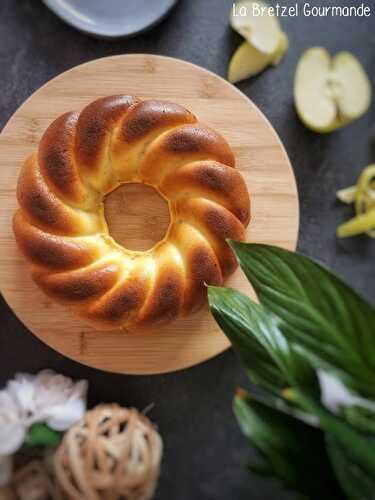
[[112, 453]]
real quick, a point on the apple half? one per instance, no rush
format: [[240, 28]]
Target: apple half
[[330, 92], [265, 42]]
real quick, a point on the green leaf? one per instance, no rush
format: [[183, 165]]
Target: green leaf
[[254, 334], [293, 452], [40, 435], [361, 418], [322, 316], [361, 445], [358, 483]]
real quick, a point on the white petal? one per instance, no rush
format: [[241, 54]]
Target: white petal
[[22, 390], [64, 416], [12, 436], [80, 389], [6, 469], [7, 404], [56, 391], [12, 429]]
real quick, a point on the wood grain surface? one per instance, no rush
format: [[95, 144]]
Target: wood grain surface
[[260, 157]]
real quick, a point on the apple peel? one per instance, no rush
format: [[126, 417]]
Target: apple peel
[[363, 197]]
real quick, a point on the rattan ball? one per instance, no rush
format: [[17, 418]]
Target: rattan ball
[[112, 453]]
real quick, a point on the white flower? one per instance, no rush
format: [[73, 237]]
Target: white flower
[[12, 429], [61, 401], [49, 397], [46, 397]]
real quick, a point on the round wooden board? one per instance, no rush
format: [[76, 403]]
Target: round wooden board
[[260, 157]]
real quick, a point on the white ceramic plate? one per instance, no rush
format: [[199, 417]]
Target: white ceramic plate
[[111, 18]]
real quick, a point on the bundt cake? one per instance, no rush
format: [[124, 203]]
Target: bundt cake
[[61, 229]]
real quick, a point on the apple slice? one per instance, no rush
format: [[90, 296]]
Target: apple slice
[[265, 42], [330, 92], [261, 31], [249, 61], [245, 62], [281, 49]]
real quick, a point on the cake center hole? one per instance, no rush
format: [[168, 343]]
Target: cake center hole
[[137, 216]]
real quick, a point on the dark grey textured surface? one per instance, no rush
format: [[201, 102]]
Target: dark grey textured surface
[[204, 451]]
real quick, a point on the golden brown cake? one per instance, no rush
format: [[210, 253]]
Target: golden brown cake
[[61, 229]]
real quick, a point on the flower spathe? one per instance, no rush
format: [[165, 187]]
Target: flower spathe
[[45, 397], [335, 395]]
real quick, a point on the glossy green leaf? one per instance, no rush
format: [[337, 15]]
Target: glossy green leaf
[[361, 418], [41, 435], [254, 333], [292, 452], [361, 445], [358, 483], [322, 316]]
